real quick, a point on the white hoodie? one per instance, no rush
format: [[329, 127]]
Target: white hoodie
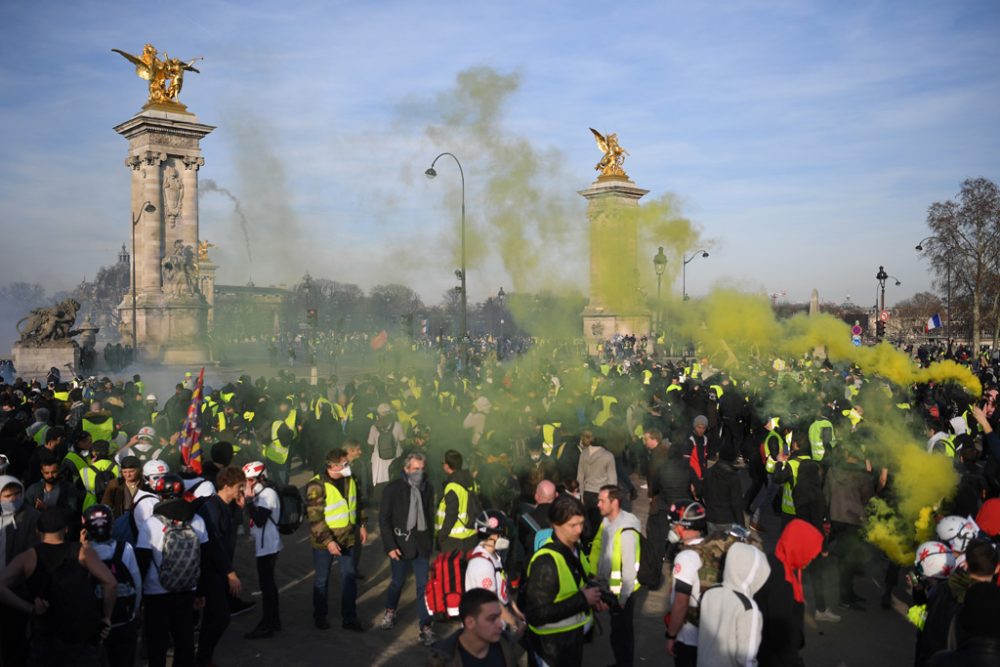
[[730, 625]]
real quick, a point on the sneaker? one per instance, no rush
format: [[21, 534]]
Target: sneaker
[[827, 616], [388, 620], [852, 605], [237, 607], [427, 636]]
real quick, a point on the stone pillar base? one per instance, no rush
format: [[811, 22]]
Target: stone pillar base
[[599, 327], [33, 362]]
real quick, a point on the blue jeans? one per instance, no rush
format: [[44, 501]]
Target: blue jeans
[[322, 560], [400, 570]]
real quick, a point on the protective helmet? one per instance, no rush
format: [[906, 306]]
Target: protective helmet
[[254, 469], [151, 398], [491, 522], [689, 514], [934, 559], [168, 486], [957, 532], [146, 433], [154, 470], [97, 520]]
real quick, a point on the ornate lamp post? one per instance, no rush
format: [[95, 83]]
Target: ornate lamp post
[[703, 253], [920, 248], [147, 207], [431, 173], [659, 266]]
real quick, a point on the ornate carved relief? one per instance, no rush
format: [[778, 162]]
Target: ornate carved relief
[[193, 162], [173, 194]]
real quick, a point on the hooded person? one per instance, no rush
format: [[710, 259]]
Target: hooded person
[[17, 520], [781, 599], [730, 621], [476, 419]]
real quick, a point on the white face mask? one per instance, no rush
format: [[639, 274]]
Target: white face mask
[[257, 488], [536, 457], [346, 471], [502, 543], [673, 537]]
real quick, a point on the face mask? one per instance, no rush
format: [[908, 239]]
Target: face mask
[[345, 471], [415, 477], [673, 537], [258, 488], [536, 457], [502, 544], [11, 506]]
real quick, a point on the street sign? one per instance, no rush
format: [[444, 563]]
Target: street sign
[[856, 341], [884, 316], [856, 330]]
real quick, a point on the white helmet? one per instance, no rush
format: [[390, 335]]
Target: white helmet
[[151, 398], [154, 470], [254, 469], [934, 560], [146, 433], [957, 532]]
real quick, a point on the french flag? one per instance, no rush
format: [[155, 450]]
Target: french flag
[[933, 322]]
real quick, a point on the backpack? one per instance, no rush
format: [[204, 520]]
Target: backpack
[[124, 528], [180, 563], [292, 509], [712, 551], [124, 610], [650, 573], [446, 583], [101, 480], [386, 442], [74, 614]]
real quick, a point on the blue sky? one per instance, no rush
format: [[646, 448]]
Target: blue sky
[[806, 138]]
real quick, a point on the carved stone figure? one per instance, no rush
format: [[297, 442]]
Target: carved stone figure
[[179, 271], [173, 194], [614, 155], [49, 325], [166, 76]]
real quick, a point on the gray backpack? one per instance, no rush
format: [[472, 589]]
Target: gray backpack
[[180, 562]]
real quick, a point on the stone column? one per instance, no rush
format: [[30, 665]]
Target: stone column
[[206, 283], [614, 305]]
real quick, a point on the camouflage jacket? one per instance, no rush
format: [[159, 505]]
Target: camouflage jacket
[[319, 533]]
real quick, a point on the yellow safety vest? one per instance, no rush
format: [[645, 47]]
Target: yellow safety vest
[[274, 450], [568, 587], [61, 396], [102, 431], [87, 475], [816, 438], [787, 501], [318, 404], [338, 512], [615, 577], [461, 529], [39, 436], [605, 412]]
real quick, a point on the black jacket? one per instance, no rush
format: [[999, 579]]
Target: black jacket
[[783, 634], [462, 478], [672, 480], [24, 536], [723, 494], [393, 512], [974, 652], [541, 588], [221, 529]]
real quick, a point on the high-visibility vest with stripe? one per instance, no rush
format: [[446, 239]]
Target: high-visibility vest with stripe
[[275, 450], [615, 576], [339, 512], [673, 387], [220, 424], [290, 419], [816, 438], [568, 587], [107, 464], [344, 413], [318, 405], [771, 463], [647, 376], [549, 437], [947, 446], [461, 529], [605, 412], [87, 475], [102, 431], [787, 500]]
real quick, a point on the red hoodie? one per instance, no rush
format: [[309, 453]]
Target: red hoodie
[[799, 544]]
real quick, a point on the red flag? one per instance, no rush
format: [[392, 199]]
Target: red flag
[[190, 440], [379, 341]]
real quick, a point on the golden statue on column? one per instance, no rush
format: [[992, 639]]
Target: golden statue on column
[[611, 162], [165, 75]]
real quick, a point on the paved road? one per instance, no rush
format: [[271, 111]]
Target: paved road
[[862, 638]]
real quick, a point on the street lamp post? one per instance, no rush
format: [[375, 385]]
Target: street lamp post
[[147, 207], [431, 173], [659, 265], [920, 248], [687, 261]]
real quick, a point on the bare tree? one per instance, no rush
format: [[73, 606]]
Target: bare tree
[[966, 242]]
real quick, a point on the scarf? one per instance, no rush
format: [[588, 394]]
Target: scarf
[[415, 517], [798, 545]]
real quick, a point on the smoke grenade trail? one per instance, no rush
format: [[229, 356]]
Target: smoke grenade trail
[[208, 185]]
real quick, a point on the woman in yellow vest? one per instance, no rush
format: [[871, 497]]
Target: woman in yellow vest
[[559, 603]]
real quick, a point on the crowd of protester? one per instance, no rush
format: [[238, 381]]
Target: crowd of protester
[[760, 481]]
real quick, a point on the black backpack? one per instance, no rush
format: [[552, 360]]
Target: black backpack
[[292, 509], [650, 573], [386, 442], [124, 610], [74, 614]]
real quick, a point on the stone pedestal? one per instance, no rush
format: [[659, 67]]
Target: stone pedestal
[[206, 283], [34, 361], [615, 305], [164, 157]]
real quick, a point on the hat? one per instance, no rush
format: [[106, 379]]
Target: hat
[[52, 520], [701, 420], [151, 398], [146, 433], [131, 462]]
